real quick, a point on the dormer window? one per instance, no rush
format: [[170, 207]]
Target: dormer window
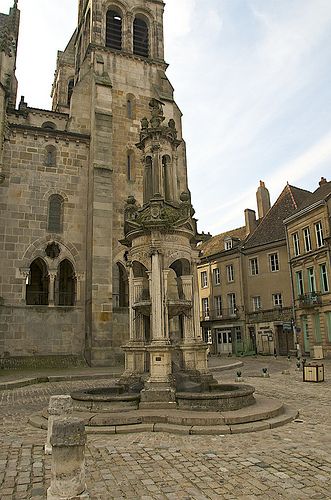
[[228, 244], [114, 30]]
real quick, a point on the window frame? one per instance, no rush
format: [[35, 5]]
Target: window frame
[[254, 266], [296, 243], [232, 304], [274, 262], [204, 279], [205, 307], [307, 239], [230, 273], [300, 282], [256, 304], [52, 226], [216, 276], [277, 299], [319, 234], [218, 306], [325, 288], [311, 279]]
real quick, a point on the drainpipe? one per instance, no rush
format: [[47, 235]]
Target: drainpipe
[[293, 322]]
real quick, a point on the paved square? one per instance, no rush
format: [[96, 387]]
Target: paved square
[[292, 462]]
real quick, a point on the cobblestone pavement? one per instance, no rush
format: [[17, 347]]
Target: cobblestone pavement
[[292, 462]]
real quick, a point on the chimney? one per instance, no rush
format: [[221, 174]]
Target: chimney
[[263, 200], [250, 221], [322, 181]]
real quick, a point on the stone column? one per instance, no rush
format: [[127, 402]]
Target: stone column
[[59, 406], [25, 273], [68, 460], [195, 303], [165, 315], [51, 287], [157, 299], [188, 323]]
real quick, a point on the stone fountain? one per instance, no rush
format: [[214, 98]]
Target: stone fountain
[[165, 358]]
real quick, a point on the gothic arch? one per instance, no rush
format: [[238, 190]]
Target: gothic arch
[[37, 249], [65, 293], [37, 284], [148, 16], [51, 191]]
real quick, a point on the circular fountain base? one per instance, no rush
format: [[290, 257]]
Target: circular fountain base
[[224, 397], [108, 399]]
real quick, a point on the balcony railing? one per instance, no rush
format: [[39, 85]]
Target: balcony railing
[[311, 299], [213, 314]]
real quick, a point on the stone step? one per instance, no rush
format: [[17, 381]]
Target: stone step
[[136, 424]]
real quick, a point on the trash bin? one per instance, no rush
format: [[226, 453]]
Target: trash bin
[[313, 373]]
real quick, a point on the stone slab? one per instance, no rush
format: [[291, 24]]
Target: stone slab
[[210, 430], [172, 428], [125, 429]]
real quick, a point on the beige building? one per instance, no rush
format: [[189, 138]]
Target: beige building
[[221, 292], [65, 176], [267, 283], [262, 317], [308, 237]]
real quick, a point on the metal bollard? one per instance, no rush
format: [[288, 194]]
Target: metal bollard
[[59, 406], [68, 460]]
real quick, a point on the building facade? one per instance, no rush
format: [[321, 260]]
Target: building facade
[[66, 174], [308, 238], [263, 320]]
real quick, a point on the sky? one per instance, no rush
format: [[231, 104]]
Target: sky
[[251, 77]]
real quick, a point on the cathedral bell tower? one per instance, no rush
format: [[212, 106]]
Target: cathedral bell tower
[[111, 70], [9, 28]]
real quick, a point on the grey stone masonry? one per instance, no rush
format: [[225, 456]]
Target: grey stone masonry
[[68, 460], [59, 406]]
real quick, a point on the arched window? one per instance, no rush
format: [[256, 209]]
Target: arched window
[[55, 214], [130, 106], [50, 156], [166, 160], [37, 286], [130, 166], [123, 286], [140, 37], [49, 126], [114, 30], [71, 84], [148, 179], [66, 293]]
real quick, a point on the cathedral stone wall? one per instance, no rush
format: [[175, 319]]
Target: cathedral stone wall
[[29, 183]]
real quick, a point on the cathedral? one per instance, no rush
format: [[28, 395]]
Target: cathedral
[[66, 175]]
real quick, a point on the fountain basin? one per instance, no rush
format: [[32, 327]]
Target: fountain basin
[[223, 397], [110, 399]]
